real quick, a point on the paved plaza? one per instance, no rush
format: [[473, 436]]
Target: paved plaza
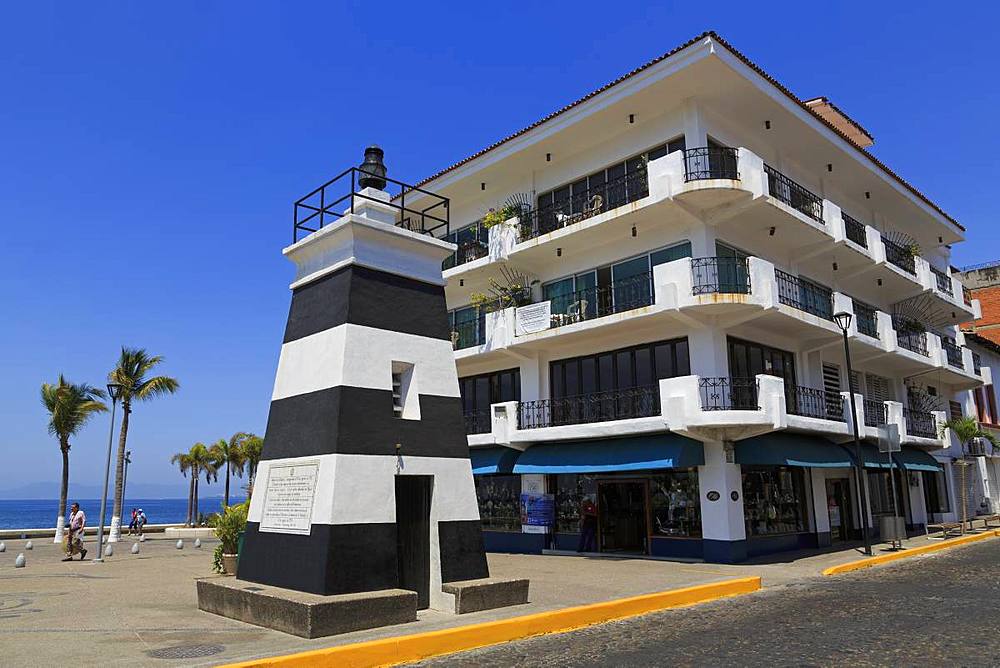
[[142, 609]]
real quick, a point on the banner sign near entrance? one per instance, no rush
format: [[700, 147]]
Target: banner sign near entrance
[[538, 509], [532, 318]]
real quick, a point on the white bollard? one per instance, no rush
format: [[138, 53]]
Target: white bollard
[[3, 547], [135, 548], [180, 544], [197, 542], [108, 551], [19, 562], [29, 546], [142, 538]]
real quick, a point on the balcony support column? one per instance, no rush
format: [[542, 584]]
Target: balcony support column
[[694, 131], [722, 520]]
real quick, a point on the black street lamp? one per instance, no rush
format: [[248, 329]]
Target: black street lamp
[[115, 392], [843, 320]]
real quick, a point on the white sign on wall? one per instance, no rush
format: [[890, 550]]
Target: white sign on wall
[[288, 497], [532, 318]]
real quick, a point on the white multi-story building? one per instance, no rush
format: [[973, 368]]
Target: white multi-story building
[[642, 304]]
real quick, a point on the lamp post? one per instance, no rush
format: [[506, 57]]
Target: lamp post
[[115, 392], [843, 320]]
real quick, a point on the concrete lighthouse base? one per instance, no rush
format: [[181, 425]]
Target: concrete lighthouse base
[[303, 614]]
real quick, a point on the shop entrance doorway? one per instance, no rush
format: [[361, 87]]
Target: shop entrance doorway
[[621, 512], [838, 503]]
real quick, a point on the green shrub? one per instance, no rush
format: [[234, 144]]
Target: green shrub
[[228, 526]]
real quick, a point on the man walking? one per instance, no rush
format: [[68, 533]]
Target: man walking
[[74, 538]]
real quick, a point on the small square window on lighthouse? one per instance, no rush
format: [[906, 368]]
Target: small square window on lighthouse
[[405, 401]]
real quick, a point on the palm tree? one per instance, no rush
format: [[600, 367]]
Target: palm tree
[[70, 406], [230, 453], [966, 429], [252, 447], [132, 373], [202, 461], [183, 461]]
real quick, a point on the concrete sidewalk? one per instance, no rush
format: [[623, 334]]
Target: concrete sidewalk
[[142, 609]]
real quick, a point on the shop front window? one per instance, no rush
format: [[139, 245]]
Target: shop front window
[[499, 498], [880, 487], [675, 505], [774, 500], [571, 491], [935, 492]]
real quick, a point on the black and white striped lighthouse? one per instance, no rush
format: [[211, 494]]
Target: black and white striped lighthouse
[[365, 482]]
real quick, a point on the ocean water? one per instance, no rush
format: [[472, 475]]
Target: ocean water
[[41, 514]]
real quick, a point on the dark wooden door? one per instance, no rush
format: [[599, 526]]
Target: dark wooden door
[[413, 535]]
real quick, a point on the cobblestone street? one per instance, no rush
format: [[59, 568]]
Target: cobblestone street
[[934, 610]]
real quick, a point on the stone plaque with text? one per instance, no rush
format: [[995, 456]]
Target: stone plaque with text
[[288, 498]]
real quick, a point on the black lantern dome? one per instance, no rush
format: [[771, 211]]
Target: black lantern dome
[[374, 168]]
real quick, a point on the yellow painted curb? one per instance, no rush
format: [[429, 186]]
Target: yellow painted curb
[[402, 649], [912, 552]]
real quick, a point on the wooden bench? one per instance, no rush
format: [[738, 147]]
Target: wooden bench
[[986, 519], [947, 529]]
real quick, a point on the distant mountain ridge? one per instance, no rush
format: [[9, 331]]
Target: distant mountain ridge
[[137, 490]]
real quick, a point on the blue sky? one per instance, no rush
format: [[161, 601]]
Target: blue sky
[[151, 155]]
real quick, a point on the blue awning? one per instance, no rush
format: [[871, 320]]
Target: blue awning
[[785, 449], [492, 460], [640, 453], [913, 459], [872, 458]]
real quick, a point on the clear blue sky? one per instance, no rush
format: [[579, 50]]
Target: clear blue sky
[[151, 155]]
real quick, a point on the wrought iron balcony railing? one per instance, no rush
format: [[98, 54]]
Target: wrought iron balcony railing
[[634, 402], [943, 281], [910, 337], [478, 422], [953, 351], [468, 334], [977, 363], [710, 162], [810, 402], [900, 256], [866, 318], [720, 275], [467, 251], [794, 195], [855, 230], [584, 204], [326, 204], [804, 295], [876, 412], [920, 423], [594, 302], [728, 394]]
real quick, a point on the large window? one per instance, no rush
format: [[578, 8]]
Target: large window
[[675, 509], [472, 241], [478, 392], [571, 491], [775, 500], [880, 483], [747, 359], [614, 185], [468, 327], [675, 504], [610, 289], [499, 498], [622, 369], [936, 492]]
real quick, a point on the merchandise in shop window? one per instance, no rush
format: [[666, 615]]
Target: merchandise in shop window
[[774, 500]]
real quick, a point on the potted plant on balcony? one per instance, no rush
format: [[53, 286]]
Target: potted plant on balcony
[[511, 290], [228, 526], [500, 216]]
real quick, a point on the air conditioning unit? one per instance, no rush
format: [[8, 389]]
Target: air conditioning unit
[[977, 447]]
